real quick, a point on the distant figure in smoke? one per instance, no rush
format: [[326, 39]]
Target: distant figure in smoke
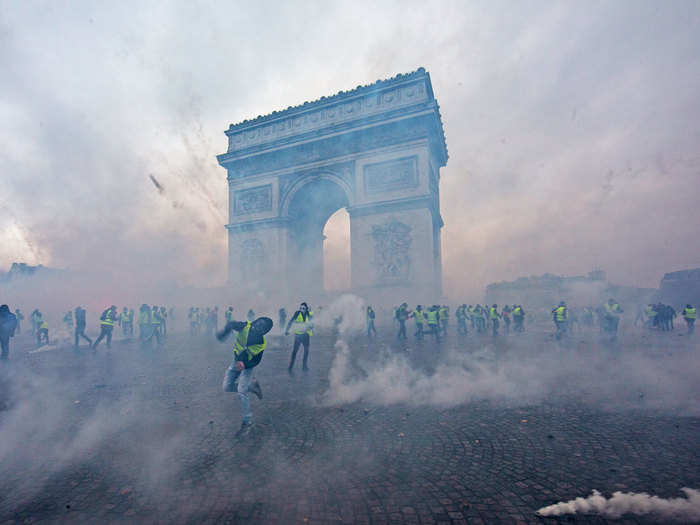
[[80, 325], [303, 330], [505, 315], [371, 330], [8, 325], [68, 320], [42, 334], [248, 351], [131, 322], [419, 315], [283, 319], [107, 321], [444, 313], [35, 319], [251, 315], [123, 318], [432, 317], [690, 314], [479, 317], [157, 323], [145, 326], [20, 317], [461, 315], [518, 318], [494, 316], [611, 317], [164, 322], [229, 314], [401, 316], [560, 316]]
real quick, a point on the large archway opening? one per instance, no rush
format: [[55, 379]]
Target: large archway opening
[[310, 209], [336, 251]]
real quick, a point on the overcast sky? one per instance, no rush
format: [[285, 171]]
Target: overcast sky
[[573, 127]]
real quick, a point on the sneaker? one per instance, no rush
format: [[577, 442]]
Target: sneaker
[[246, 426], [305, 369], [256, 389]]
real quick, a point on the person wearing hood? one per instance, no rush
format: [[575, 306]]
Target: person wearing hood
[[248, 349], [107, 321], [80, 325], [8, 325]]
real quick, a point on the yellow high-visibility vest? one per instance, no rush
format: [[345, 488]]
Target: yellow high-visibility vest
[[561, 314], [301, 326], [689, 313], [241, 344], [107, 321]]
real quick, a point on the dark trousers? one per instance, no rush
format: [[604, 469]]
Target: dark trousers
[[402, 330], [370, 328], [80, 332], [300, 339], [518, 324], [494, 325], [4, 346], [561, 328], [419, 331], [105, 331], [434, 331], [462, 326], [691, 325]]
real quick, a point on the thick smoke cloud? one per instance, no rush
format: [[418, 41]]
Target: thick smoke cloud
[[641, 504], [530, 371], [567, 126]]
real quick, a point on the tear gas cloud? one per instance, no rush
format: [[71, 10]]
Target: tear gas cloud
[[685, 509]]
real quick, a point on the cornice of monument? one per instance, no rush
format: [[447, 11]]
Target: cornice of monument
[[394, 96]]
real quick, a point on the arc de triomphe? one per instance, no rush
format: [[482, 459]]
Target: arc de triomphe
[[377, 151]]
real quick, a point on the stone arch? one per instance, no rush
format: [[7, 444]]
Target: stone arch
[[375, 151], [307, 206], [303, 183]]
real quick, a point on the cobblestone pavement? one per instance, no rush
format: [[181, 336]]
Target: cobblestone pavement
[[136, 435]]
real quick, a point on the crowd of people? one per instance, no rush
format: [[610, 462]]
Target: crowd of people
[[250, 343], [434, 320]]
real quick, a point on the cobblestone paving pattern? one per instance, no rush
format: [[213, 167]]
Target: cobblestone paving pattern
[[134, 435]]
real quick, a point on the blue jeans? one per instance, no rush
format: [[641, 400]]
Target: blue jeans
[[239, 381]]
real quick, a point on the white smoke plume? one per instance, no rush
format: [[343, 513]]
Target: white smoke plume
[[348, 311], [679, 509]]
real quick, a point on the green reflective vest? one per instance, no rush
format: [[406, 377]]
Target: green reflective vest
[[241, 344], [108, 319], [419, 315], [431, 316], [612, 309], [561, 314], [689, 313]]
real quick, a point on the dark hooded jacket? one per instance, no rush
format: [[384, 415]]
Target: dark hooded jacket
[[8, 322]]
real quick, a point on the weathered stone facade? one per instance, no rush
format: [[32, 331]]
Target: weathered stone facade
[[376, 151]]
